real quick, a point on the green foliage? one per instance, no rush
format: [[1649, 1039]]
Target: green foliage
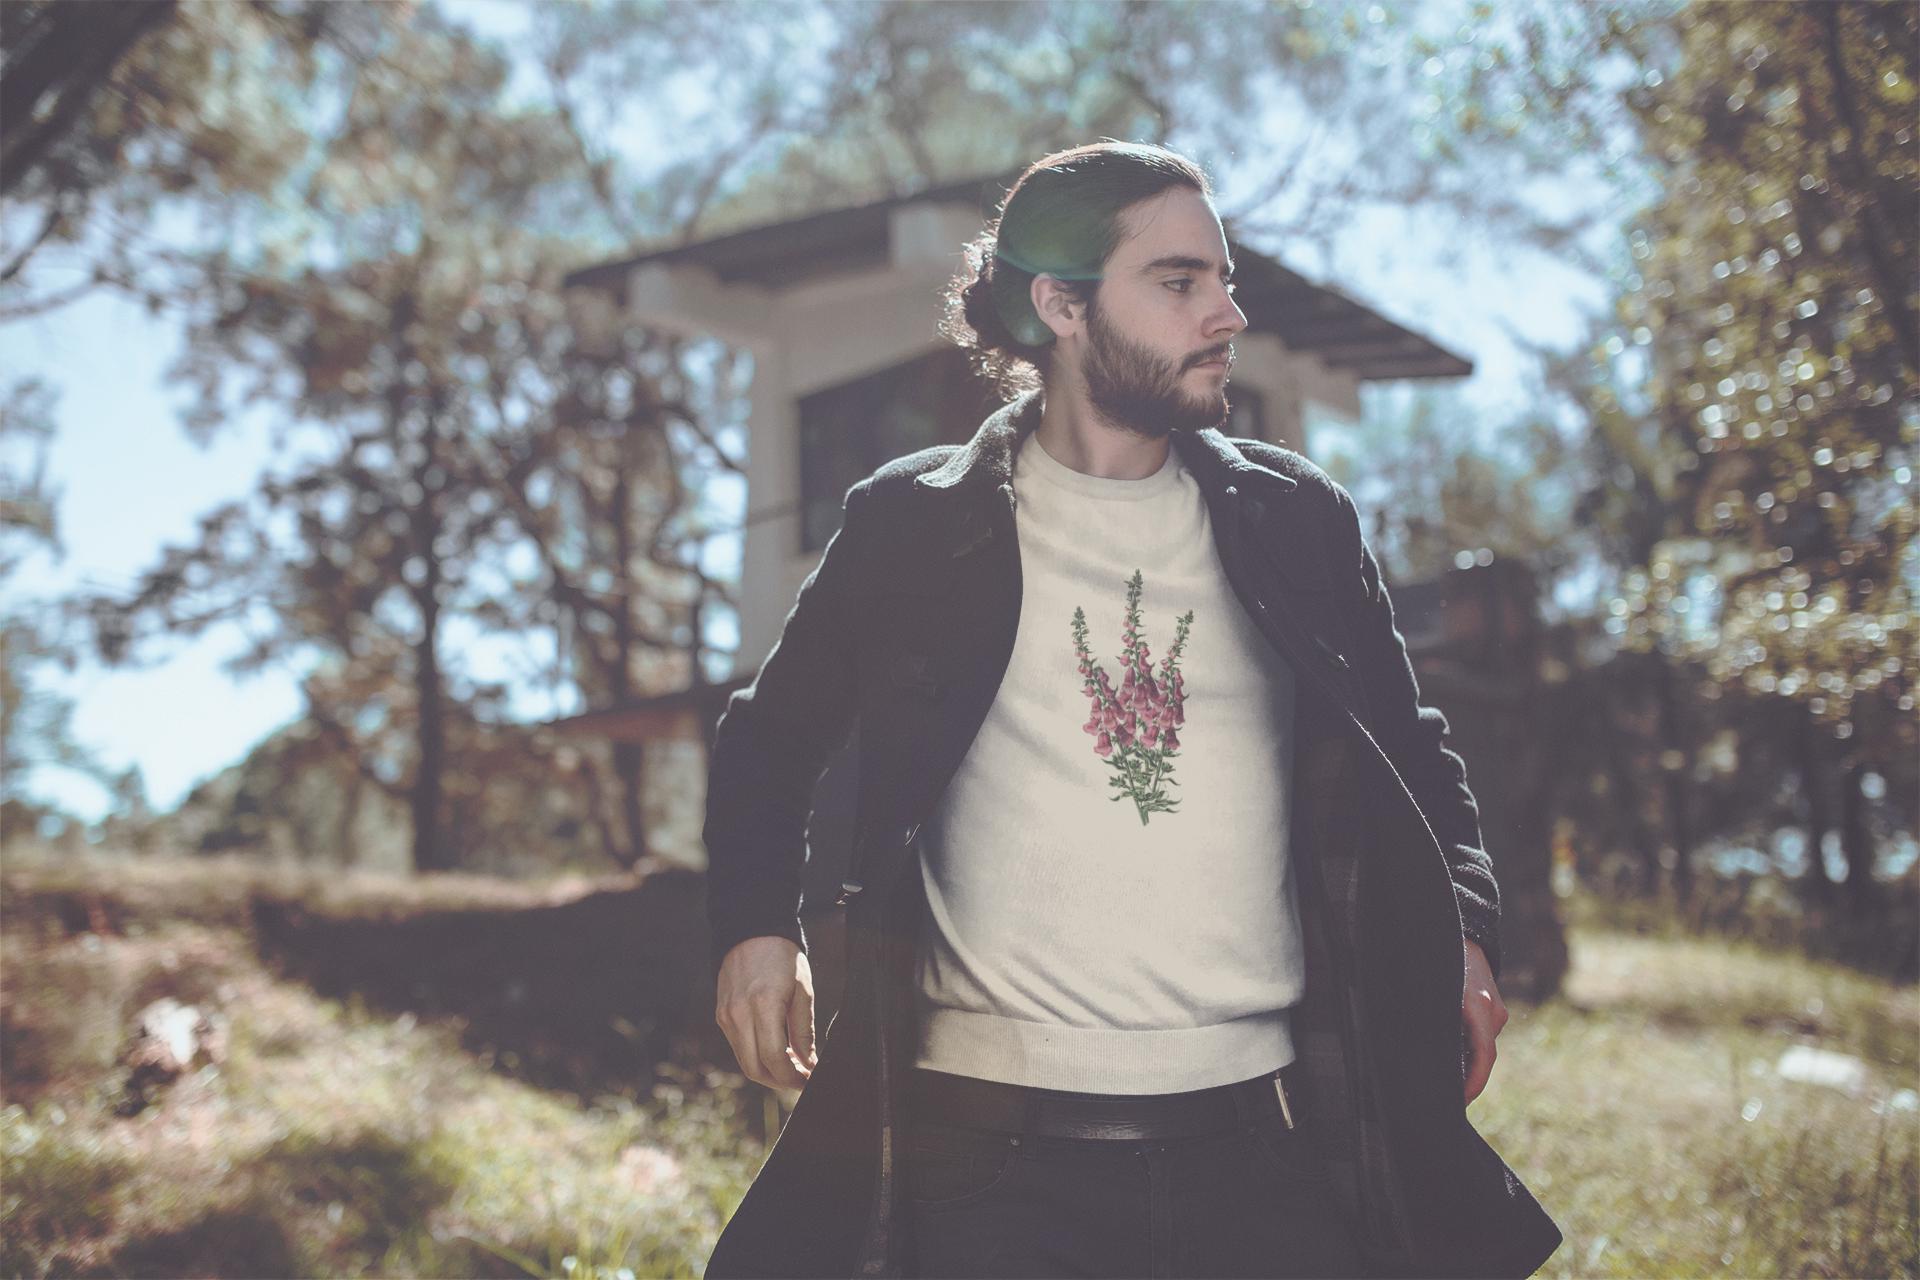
[[174, 107], [1443, 488], [386, 222], [1774, 299], [35, 720], [410, 304]]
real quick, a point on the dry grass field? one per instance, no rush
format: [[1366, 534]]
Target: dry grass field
[[336, 1137]]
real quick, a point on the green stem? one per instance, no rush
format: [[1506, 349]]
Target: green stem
[[1154, 782]]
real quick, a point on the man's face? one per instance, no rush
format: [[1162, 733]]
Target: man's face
[[1164, 310]]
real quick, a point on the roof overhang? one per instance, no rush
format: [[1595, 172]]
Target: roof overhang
[[1344, 334]]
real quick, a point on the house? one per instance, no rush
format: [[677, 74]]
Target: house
[[839, 310]]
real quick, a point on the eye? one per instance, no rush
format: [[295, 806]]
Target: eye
[[1185, 285]]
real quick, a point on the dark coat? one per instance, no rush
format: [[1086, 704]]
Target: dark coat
[[908, 624]]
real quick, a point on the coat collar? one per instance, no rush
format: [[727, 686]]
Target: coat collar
[[985, 463]]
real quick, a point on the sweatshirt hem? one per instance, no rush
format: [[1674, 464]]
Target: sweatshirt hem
[[1052, 1055]]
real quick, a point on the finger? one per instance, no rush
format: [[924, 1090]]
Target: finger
[[770, 1037], [800, 1027], [742, 1034]]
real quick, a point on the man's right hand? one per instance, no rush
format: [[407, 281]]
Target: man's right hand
[[765, 1005]]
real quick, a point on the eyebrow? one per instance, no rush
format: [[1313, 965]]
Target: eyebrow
[[1183, 262]]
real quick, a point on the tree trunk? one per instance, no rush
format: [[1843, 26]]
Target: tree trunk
[[629, 764], [629, 758], [1676, 781], [1856, 842], [424, 522], [1819, 886], [430, 773], [355, 788], [1626, 791]]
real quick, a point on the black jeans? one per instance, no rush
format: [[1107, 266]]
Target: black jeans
[[1252, 1200]]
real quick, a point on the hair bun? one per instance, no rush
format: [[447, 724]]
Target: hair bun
[[983, 317], [972, 320]]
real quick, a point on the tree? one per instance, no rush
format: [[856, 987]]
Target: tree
[[1328, 108], [466, 434], [1775, 300], [120, 111], [35, 722], [386, 331]]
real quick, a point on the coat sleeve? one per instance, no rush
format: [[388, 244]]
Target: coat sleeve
[[1415, 738], [770, 747]]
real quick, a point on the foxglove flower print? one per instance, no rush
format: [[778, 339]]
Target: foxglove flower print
[[1136, 728]]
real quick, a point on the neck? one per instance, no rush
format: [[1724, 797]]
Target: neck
[[1077, 435]]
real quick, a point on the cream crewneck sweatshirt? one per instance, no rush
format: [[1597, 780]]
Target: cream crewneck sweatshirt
[[1112, 905]]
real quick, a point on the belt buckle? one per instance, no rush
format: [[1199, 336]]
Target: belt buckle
[[1280, 1091]]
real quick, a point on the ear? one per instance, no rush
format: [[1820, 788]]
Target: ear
[[1055, 306]]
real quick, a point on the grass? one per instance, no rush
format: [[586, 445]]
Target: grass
[[1642, 1108], [333, 1141], [1644, 1111]]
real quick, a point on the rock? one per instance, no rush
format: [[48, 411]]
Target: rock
[[1809, 1065], [168, 1039]]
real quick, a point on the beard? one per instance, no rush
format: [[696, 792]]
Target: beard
[[1140, 391]]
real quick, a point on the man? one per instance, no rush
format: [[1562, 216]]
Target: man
[[1172, 941]]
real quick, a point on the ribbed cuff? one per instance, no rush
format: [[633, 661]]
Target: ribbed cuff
[[1479, 925]]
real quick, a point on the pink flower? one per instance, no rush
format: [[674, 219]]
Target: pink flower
[[1172, 742], [1102, 745], [1093, 723]]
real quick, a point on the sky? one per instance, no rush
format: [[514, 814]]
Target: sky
[[130, 481]]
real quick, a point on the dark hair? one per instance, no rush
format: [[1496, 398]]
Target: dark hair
[[1061, 218]]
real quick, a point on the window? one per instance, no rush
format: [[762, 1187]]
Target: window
[[1246, 413], [849, 431]]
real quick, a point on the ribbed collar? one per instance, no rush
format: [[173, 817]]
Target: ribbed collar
[[1032, 459]]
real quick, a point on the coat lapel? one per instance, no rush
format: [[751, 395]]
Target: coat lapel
[[1274, 549]]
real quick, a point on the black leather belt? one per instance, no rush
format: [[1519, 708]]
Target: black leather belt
[[1016, 1108]]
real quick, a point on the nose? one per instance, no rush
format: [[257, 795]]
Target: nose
[[1228, 319], [1222, 324]]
